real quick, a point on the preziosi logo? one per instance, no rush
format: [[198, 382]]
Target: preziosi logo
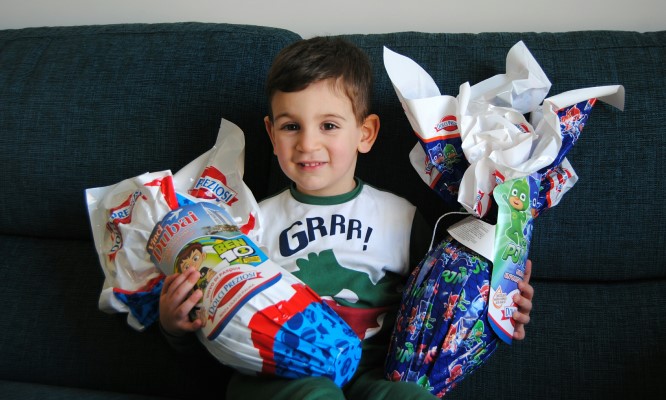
[[228, 287], [449, 124], [213, 185], [123, 213]]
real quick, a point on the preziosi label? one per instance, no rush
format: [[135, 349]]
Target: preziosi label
[[449, 124], [229, 289], [121, 214], [212, 185]]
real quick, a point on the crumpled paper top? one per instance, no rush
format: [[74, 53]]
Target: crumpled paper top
[[487, 122]]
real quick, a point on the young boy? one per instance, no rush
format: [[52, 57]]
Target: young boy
[[352, 243]]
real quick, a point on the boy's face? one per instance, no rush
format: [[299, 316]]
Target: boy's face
[[316, 138]]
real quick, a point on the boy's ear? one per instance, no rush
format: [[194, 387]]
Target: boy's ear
[[369, 132], [269, 129]]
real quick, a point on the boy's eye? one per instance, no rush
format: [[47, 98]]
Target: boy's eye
[[290, 127], [329, 126]]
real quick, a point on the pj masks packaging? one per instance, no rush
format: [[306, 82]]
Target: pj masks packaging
[[258, 318], [442, 332], [478, 151]]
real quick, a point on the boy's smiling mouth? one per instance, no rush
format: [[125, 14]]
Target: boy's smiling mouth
[[312, 164]]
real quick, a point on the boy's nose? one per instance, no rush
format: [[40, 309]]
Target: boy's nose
[[307, 140]]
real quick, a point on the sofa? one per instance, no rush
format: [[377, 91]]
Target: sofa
[[89, 106]]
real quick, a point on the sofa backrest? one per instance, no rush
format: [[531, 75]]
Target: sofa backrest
[[83, 107], [90, 106]]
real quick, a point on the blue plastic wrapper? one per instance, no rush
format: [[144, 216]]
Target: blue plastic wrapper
[[442, 332], [445, 155], [558, 177]]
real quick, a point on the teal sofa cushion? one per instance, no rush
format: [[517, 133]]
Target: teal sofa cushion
[[83, 107]]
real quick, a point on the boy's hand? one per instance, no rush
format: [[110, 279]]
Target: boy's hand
[[524, 303], [176, 302]]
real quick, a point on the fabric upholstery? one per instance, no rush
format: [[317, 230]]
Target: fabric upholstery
[[89, 106]]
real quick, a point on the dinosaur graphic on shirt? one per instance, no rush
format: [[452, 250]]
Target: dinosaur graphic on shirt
[[358, 301], [324, 274]]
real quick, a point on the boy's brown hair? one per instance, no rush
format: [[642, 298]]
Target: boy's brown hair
[[312, 60]]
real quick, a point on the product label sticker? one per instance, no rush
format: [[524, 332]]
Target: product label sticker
[[516, 200], [475, 234], [182, 226], [232, 268], [229, 288]]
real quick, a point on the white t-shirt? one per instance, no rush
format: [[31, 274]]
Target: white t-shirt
[[352, 249]]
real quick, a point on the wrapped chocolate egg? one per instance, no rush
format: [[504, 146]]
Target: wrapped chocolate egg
[[479, 151], [442, 333], [257, 317]]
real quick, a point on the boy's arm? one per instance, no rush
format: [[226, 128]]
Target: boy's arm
[[186, 344]]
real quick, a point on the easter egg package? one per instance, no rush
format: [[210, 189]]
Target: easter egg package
[[480, 153]]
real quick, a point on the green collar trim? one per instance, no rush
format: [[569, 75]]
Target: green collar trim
[[327, 200]]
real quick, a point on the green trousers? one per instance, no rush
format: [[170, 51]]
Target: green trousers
[[367, 384]]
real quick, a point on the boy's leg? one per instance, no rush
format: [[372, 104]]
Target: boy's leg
[[369, 382], [371, 385], [256, 387]]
